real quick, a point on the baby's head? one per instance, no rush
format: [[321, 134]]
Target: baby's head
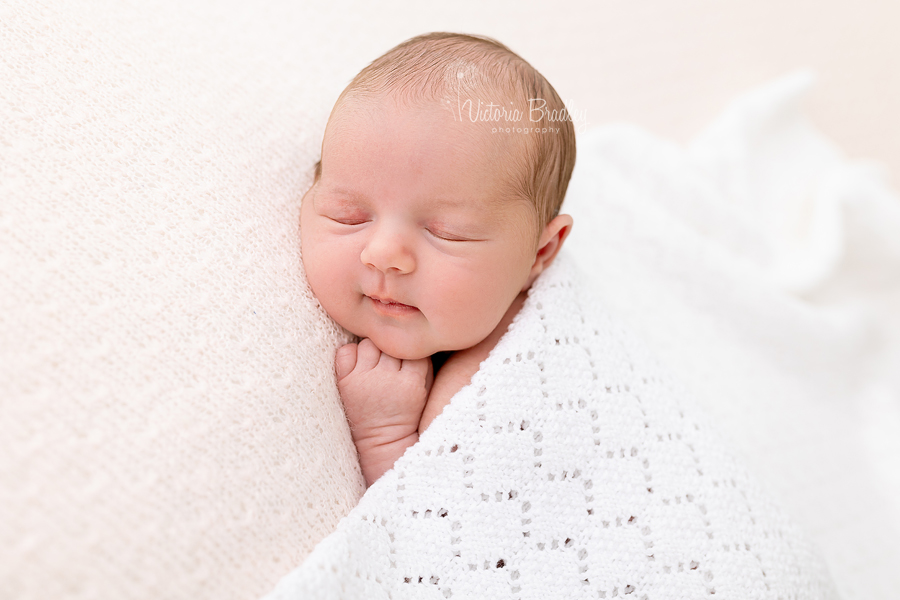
[[435, 204]]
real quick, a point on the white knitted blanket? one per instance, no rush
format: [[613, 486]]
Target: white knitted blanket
[[571, 467]]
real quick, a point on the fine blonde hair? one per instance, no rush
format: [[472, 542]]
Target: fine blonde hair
[[435, 65]]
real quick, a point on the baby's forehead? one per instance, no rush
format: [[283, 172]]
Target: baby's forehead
[[495, 158], [444, 118]]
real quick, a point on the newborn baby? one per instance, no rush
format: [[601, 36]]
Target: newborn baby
[[433, 210]]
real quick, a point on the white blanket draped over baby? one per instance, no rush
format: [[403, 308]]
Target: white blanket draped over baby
[[570, 467]]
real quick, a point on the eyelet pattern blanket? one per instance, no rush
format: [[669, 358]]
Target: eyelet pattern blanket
[[572, 466]]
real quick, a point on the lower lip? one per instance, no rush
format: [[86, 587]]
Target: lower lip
[[392, 309]]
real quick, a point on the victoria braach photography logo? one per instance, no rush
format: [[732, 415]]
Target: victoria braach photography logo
[[537, 117]]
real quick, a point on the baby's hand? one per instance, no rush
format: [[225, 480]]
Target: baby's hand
[[383, 398]]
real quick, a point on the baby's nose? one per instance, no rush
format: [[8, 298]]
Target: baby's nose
[[388, 252]]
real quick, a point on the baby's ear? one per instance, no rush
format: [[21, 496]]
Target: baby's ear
[[549, 244]]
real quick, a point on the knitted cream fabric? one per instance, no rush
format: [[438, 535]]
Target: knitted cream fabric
[[570, 467], [169, 424]]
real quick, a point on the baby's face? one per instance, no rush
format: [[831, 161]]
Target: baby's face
[[409, 237]]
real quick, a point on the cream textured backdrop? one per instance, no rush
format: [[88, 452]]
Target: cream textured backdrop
[[168, 421]]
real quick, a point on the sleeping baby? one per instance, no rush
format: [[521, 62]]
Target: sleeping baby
[[434, 208], [569, 464]]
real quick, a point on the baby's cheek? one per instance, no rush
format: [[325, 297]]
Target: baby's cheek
[[471, 316], [324, 281]]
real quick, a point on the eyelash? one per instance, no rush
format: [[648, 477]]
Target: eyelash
[[447, 237], [348, 221], [441, 236]]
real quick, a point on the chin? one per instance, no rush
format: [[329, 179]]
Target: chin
[[399, 349], [403, 352]]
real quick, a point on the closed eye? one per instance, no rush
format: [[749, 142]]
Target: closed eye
[[449, 237], [347, 221]]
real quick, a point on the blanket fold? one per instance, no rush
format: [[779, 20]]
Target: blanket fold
[[572, 466]]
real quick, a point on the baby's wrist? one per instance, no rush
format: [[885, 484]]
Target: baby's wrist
[[374, 436], [378, 455]]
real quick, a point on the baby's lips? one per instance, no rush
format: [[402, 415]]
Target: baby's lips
[[390, 301], [392, 308]]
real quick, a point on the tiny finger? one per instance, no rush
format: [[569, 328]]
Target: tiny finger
[[389, 362], [368, 355], [419, 366], [345, 360]]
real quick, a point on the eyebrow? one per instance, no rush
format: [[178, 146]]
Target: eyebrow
[[439, 201], [345, 193]]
